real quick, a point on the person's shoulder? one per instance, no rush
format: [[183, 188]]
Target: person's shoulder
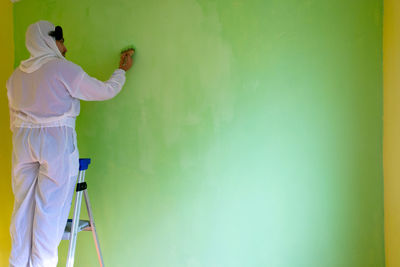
[[64, 70], [64, 65]]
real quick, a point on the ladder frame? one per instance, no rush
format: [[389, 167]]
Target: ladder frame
[[81, 188]]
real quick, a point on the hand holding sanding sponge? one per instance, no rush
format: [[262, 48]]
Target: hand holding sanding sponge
[[126, 58]]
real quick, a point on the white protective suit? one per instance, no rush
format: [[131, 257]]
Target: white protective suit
[[44, 93]]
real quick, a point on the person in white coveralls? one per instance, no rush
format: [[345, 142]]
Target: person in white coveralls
[[44, 94]]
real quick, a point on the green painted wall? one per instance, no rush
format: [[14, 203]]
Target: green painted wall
[[249, 133]]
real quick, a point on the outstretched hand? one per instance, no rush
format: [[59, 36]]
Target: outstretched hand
[[126, 60]]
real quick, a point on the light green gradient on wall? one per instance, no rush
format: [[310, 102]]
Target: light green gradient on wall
[[248, 133]]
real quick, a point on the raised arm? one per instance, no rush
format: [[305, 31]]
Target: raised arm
[[91, 89]]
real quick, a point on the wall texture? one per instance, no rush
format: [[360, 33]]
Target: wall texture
[[249, 133], [6, 67], [391, 154]]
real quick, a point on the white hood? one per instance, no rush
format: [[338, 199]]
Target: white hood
[[40, 45]]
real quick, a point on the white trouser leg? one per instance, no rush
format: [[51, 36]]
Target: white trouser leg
[[24, 182], [53, 202]]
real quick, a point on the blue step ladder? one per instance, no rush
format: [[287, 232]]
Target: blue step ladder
[[75, 225]]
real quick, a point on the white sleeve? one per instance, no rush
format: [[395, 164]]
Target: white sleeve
[[90, 89]]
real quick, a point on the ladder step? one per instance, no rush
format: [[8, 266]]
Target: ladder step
[[84, 225]]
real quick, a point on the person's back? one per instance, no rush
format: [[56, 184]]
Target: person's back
[[44, 94]]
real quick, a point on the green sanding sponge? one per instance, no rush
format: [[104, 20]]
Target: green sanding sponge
[[128, 48]]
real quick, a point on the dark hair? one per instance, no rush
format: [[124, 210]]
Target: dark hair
[[57, 33]]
